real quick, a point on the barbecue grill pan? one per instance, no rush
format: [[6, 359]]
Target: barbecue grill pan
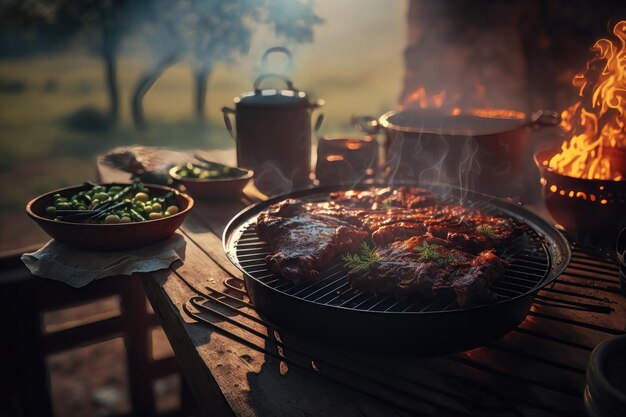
[[331, 312]]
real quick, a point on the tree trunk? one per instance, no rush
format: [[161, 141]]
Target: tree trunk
[[201, 80], [144, 84], [110, 73]]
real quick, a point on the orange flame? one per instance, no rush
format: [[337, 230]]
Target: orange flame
[[494, 113], [419, 98], [597, 122]]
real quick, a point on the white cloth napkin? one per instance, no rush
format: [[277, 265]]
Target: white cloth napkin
[[78, 267]]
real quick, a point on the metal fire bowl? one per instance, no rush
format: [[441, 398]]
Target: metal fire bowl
[[591, 211]]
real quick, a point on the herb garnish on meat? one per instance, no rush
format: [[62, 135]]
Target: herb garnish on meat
[[385, 204], [429, 253], [486, 231], [362, 261]]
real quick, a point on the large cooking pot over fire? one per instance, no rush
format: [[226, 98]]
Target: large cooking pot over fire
[[273, 133], [480, 151]]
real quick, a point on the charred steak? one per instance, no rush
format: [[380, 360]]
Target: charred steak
[[304, 243], [419, 246], [431, 267], [376, 198], [469, 229]]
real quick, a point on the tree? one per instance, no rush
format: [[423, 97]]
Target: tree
[[294, 20], [44, 25], [161, 33], [220, 33], [211, 32], [103, 24], [26, 28], [217, 33]]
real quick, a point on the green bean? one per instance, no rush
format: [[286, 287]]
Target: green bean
[[208, 171], [135, 216], [113, 204], [123, 192]]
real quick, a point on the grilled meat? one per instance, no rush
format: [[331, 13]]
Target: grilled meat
[[385, 225], [398, 267], [472, 285], [377, 198], [397, 231], [431, 267], [468, 229], [351, 215], [304, 243], [471, 230], [422, 247]]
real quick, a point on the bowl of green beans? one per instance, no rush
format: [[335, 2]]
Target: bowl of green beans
[[211, 180], [110, 216]]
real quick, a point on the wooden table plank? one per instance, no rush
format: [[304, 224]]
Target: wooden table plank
[[203, 385], [243, 375], [537, 369]]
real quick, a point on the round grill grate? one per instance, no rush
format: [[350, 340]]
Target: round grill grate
[[527, 256]]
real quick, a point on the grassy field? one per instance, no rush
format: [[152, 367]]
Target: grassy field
[[355, 66]]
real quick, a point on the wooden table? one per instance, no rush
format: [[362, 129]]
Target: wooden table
[[536, 369]]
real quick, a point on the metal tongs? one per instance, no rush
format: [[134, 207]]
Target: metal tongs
[[102, 210], [97, 214]]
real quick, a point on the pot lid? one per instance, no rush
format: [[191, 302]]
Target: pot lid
[[430, 121], [273, 97]]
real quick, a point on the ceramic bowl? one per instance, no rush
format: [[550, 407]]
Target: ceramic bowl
[[108, 236], [605, 393], [214, 189]]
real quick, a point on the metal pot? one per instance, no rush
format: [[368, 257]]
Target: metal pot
[[274, 134], [485, 154], [575, 202]]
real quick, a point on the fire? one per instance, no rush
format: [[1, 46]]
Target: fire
[[493, 113], [420, 99], [597, 122], [334, 158]]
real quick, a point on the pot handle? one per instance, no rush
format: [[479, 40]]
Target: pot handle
[[227, 111], [318, 123], [275, 49], [545, 118], [366, 124], [261, 78]]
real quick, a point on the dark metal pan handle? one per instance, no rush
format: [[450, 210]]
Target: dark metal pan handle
[[544, 118], [261, 78], [227, 111], [366, 124]]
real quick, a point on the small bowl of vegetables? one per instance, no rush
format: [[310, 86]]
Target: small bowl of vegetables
[[110, 216], [211, 180]]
